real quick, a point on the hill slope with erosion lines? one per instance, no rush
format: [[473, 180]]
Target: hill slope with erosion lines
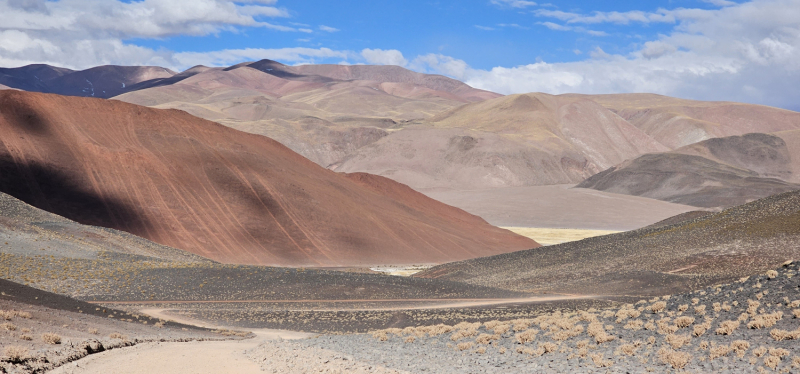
[[516, 140], [678, 122], [690, 254], [226, 195], [323, 112], [720, 172]]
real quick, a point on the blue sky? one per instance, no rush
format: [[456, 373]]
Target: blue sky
[[477, 31], [740, 50]]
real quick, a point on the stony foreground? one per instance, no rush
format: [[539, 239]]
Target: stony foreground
[[747, 326]]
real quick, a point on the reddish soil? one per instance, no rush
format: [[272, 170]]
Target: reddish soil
[[220, 193]]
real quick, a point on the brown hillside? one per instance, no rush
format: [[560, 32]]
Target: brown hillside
[[220, 193]]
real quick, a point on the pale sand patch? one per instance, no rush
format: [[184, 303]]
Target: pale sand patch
[[403, 271], [546, 236]]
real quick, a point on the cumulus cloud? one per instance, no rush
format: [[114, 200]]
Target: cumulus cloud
[[84, 33], [384, 57], [746, 52]]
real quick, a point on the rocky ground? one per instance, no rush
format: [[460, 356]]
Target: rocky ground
[[749, 325], [40, 330]]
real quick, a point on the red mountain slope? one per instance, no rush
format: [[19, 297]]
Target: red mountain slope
[[231, 196]]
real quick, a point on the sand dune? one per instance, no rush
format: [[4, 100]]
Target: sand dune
[[220, 193]]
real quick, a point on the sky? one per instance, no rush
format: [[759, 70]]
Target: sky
[[746, 51]]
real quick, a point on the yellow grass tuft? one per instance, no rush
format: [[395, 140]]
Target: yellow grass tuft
[[51, 338]]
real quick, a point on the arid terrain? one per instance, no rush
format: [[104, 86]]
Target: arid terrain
[[369, 219]]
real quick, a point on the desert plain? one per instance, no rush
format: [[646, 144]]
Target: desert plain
[[370, 219]]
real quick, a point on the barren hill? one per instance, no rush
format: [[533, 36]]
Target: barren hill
[[323, 112], [678, 122], [719, 172], [516, 140], [220, 193], [101, 81], [690, 254]]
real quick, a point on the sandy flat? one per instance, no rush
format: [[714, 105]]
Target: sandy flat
[[547, 236], [560, 206]]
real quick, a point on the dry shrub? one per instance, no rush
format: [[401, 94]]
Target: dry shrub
[[752, 307], [683, 307], [794, 304], [740, 347], [501, 329], [627, 312], [502, 350], [521, 324], [26, 337], [772, 362], [772, 274], [796, 313], [651, 340], [760, 351], [8, 326], [682, 322], [765, 320], [796, 362], [410, 339], [658, 306], [700, 310], [601, 362], [649, 326], [703, 345], [15, 353], [380, 335], [677, 360], [158, 325], [695, 301], [634, 324], [51, 338], [597, 331], [582, 344], [464, 346], [727, 327], [677, 341], [93, 331], [778, 352], [527, 336], [25, 315], [701, 329], [491, 324], [486, 338], [548, 347], [719, 351], [460, 334], [480, 350], [116, 335], [627, 349], [780, 335]]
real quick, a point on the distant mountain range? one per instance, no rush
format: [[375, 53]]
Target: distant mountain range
[[433, 132]]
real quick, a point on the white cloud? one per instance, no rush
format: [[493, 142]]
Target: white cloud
[[384, 57], [513, 3], [746, 52], [232, 56], [484, 28], [85, 33], [328, 28], [555, 26]]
